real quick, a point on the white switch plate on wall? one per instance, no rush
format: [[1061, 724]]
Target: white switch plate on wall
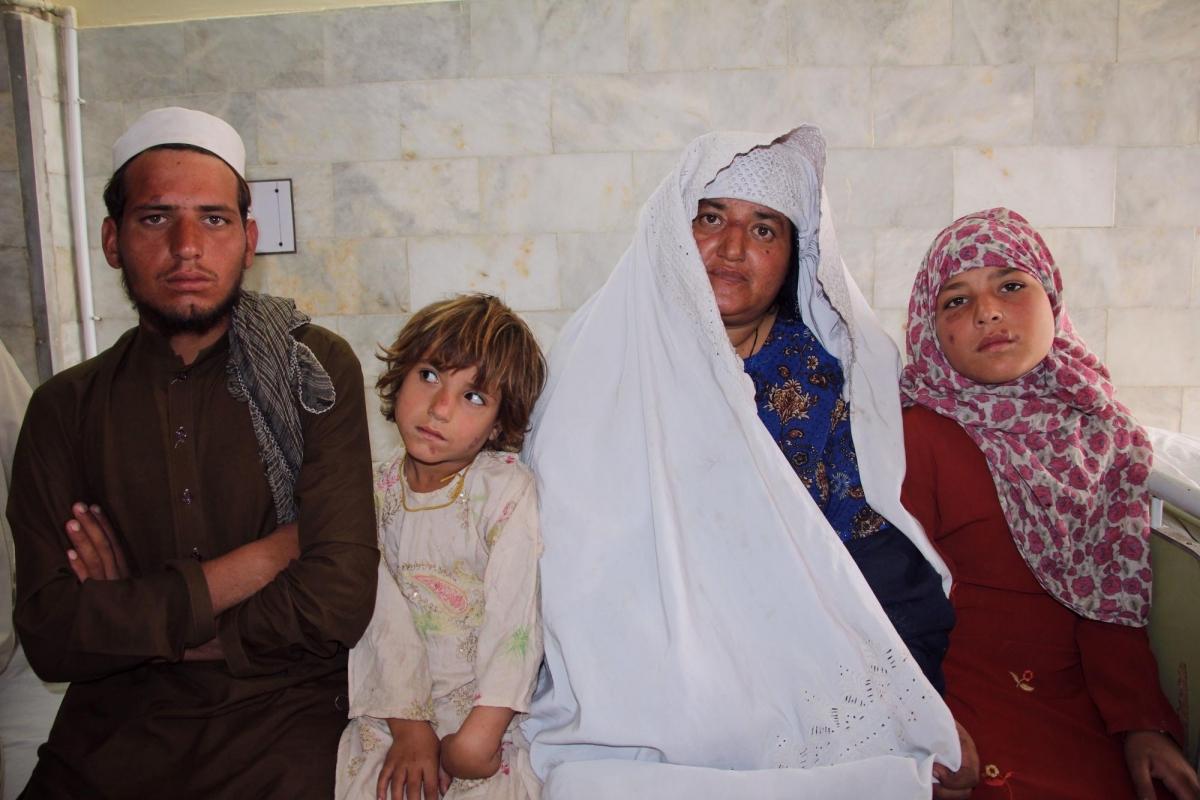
[[271, 205]]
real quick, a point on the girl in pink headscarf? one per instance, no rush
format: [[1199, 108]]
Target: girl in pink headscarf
[[1031, 479]]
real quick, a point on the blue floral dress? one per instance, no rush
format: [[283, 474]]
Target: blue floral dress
[[798, 387]]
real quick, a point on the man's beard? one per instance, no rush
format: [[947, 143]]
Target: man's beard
[[194, 320]]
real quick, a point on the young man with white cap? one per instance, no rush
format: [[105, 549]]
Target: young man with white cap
[[192, 508]]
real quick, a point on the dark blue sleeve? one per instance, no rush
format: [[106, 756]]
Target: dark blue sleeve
[[910, 591]]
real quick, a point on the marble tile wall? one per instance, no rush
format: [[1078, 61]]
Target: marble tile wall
[[506, 145]]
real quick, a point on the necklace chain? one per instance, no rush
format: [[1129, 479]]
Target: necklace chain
[[757, 328], [455, 493]]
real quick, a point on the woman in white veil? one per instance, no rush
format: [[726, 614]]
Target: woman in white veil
[[707, 632]]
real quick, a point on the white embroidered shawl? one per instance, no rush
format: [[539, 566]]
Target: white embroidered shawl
[[707, 633]]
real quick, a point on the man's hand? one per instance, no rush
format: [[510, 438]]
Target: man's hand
[[209, 651], [958, 785], [1150, 755], [232, 578], [410, 769], [236, 576], [94, 552]]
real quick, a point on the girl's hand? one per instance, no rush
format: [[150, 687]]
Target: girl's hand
[[1151, 755], [958, 785], [474, 751], [410, 769], [468, 756]]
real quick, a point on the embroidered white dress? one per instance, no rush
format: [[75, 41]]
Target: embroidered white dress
[[456, 620]]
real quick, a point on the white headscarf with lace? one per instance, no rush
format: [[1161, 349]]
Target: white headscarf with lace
[[707, 633]]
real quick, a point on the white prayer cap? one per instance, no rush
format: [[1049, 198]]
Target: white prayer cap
[[174, 125]]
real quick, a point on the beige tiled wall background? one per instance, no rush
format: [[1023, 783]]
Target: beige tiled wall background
[[506, 145]]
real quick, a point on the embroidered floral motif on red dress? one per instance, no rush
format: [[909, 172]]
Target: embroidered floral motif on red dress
[[1024, 681], [992, 777]]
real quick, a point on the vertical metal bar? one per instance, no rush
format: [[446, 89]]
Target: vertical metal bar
[[27, 118]]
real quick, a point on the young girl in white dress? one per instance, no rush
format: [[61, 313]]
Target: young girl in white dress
[[449, 660]]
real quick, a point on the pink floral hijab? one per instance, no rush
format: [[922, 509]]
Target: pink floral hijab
[[1069, 462]]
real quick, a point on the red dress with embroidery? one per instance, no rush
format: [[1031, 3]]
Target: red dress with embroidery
[[1044, 692]]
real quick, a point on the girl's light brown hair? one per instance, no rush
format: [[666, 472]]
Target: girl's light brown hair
[[472, 330]]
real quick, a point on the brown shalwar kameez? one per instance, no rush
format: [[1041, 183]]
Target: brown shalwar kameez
[[172, 459]]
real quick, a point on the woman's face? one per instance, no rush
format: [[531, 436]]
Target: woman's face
[[994, 323], [746, 249]]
